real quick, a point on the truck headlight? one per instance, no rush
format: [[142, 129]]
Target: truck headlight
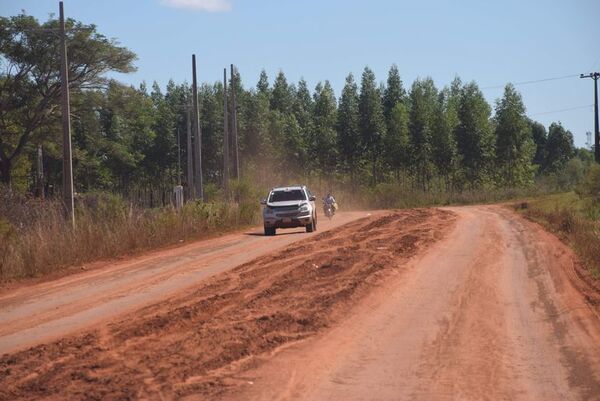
[[268, 210], [303, 208]]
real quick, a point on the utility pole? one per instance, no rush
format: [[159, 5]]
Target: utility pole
[[178, 190], [40, 173], [66, 121], [234, 128], [178, 158], [225, 138], [595, 76], [197, 135], [190, 157]]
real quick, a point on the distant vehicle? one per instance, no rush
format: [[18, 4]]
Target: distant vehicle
[[328, 210], [289, 207], [329, 205]]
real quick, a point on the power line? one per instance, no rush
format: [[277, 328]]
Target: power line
[[533, 82], [561, 110]]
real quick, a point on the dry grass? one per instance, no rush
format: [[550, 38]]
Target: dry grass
[[35, 239], [576, 219]]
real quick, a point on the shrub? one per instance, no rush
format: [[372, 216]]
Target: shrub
[[591, 184], [36, 239]]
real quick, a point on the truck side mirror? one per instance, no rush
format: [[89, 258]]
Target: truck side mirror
[[312, 198], [263, 201]]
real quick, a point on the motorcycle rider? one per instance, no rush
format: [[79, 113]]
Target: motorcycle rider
[[330, 200]]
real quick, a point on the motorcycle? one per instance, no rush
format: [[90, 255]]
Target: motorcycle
[[328, 210]]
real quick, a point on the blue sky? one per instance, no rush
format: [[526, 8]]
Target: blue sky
[[491, 42]]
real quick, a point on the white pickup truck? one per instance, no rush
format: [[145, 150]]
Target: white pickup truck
[[289, 207]]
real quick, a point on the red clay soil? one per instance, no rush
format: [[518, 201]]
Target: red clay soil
[[492, 312], [40, 313], [196, 344]]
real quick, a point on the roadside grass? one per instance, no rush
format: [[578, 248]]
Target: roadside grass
[[399, 196], [36, 240], [574, 218], [385, 196]]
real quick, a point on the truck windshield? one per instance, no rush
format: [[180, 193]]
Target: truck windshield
[[284, 196]]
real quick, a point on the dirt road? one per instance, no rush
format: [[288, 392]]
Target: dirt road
[[487, 314], [469, 303], [44, 312]]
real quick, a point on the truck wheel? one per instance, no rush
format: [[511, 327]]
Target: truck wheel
[[310, 227], [269, 231]]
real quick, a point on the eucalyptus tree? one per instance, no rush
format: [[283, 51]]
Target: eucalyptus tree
[[514, 143], [474, 137], [349, 137], [559, 147], [371, 121], [423, 104]]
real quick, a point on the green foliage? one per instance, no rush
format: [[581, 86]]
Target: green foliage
[[29, 77], [211, 123], [590, 187], [349, 136], [282, 95], [540, 137], [263, 83], [397, 142], [423, 100], [444, 152], [393, 93], [559, 148], [303, 110], [371, 120], [102, 205], [474, 137], [132, 141], [325, 118], [514, 143]]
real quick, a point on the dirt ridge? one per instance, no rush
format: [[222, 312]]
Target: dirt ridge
[[198, 343]]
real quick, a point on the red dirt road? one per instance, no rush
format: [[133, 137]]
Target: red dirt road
[[489, 313], [44, 312], [468, 303]]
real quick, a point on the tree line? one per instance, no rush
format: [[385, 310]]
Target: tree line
[[126, 137]]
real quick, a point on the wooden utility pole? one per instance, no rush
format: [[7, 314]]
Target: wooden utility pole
[[39, 183], [197, 135], [595, 76], [178, 190], [234, 128], [225, 138], [178, 158], [66, 121], [190, 157]]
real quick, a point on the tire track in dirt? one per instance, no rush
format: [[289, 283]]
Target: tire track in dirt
[[198, 344], [487, 313], [35, 313]]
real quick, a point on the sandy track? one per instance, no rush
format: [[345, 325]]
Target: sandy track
[[490, 313], [39, 313], [470, 303]]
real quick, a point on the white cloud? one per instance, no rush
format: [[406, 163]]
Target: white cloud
[[200, 5]]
